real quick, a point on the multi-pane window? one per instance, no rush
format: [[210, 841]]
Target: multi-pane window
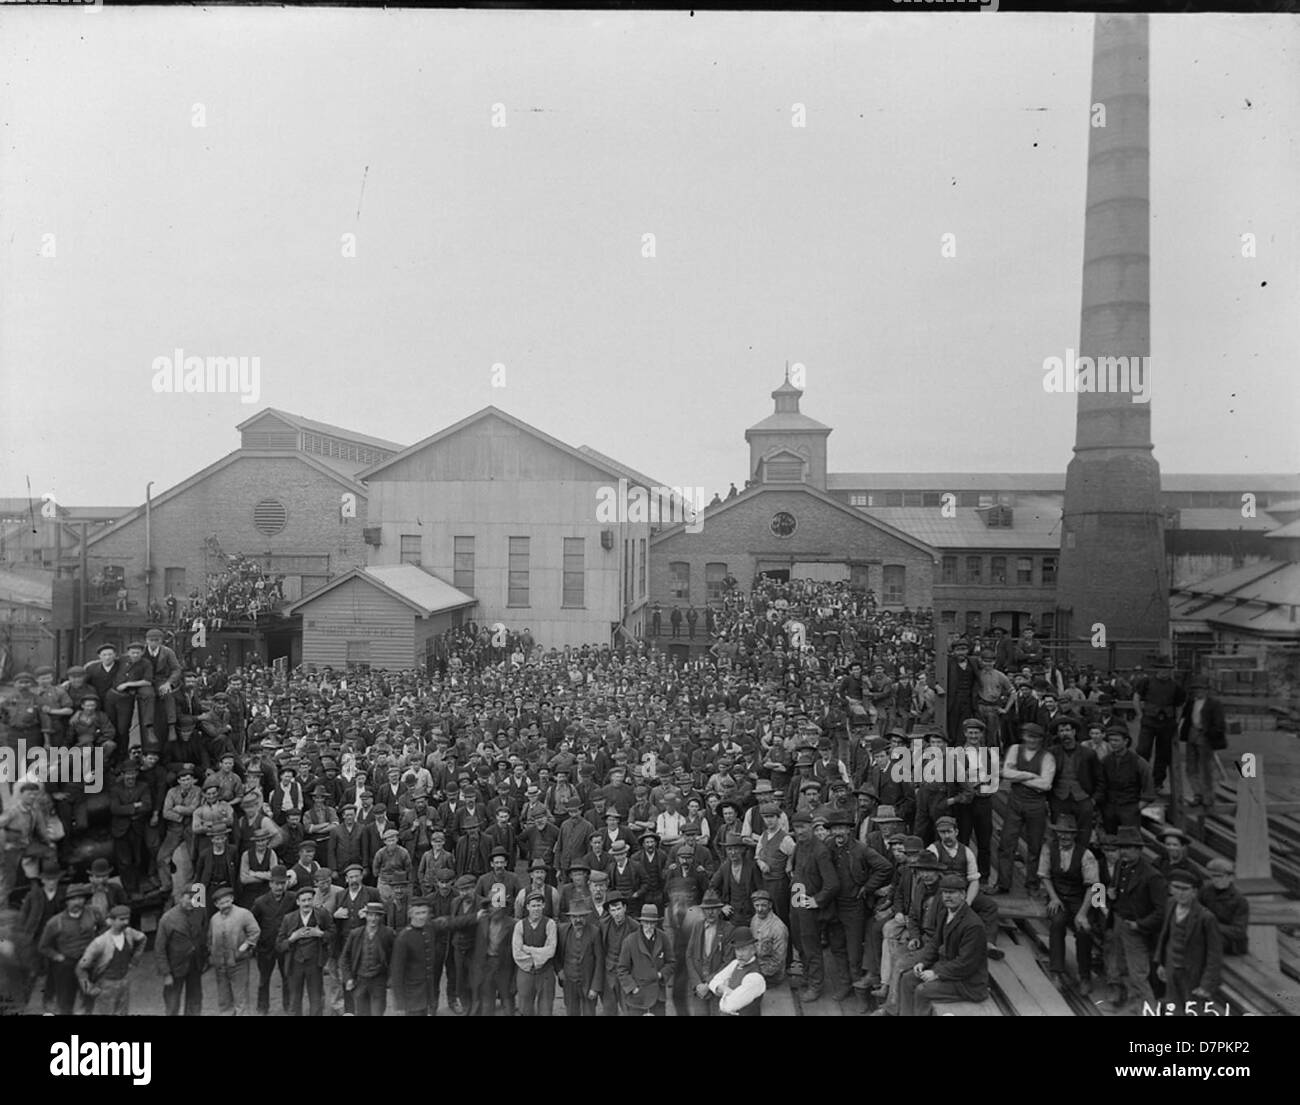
[[462, 566], [575, 572], [1024, 569], [949, 570], [641, 588], [892, 584], [972, 621], [974, 565], [410, 553], [679, 579], [998, 569], [517, 582], [1049, 570], [714, 574], [948, 617]]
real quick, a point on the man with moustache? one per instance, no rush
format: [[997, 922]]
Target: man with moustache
[[180, 950], [364, 963], [269, 911]]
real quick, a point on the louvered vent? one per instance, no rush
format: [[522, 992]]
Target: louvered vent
[[269, 517]]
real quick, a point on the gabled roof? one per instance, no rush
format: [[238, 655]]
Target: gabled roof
[[312, 426], [591, 457], [633, 476], [751, 493], [787, 420], [213, 469], [422, 591]]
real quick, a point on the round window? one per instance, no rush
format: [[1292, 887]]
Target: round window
[[269, 517]]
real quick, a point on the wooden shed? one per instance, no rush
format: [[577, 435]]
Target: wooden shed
[[382, 616]]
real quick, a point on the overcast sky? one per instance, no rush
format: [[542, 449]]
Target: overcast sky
[[522, 245]]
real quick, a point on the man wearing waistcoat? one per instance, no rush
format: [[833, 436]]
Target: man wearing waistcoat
[[1078, 776], [533, 947], [1031, 769], [740, 985], [580, 960], [364, 962], [1069, 872], [305, 941]]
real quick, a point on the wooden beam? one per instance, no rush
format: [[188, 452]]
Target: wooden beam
[[1253, 860]]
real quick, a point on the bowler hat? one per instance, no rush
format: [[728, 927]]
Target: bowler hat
[[886, 813], [952, 881], [1129, 836], [649, 913], [1066, 823]]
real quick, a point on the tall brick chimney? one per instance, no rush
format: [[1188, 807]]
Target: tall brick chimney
[[1113, 567]]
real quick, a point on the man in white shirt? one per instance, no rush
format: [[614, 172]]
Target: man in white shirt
[[740, 985], [532, 946]]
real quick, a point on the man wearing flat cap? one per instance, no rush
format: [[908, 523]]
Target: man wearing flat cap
[[104, 969], [305, 943], [233, 936], [533, 947], [954, 963], [364, 963], [1230, 907], [1189, 949], [181, 951], [1031, 769]]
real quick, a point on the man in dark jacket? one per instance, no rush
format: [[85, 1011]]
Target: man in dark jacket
[[954, 963], [1126, 782], [131, 806], [305, 941], [1161, 699], [1137, 896], [862, 871], [1203, 729], [180, 950], [580, 960], [364, 962], [1230, 907], [814, 886], [268, 911], [1189, 950]]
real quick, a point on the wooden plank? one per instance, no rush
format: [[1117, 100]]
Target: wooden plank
[[1020, 909], [1015, 992], [1025, 966], [1253, 860], [986, 1008], [1279, 912], [1268, 982]]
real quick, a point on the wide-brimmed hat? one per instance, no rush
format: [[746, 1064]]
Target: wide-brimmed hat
[[1129, 836], [1066, 823], [711, 900], [886, 813], [649, 913]]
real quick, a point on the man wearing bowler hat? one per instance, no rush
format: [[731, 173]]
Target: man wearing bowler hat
[[1069, 872], [740, 985], [645, 968], [708, 947], [580, 960]]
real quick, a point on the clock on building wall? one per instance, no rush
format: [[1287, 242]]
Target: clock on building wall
[[783, 523]]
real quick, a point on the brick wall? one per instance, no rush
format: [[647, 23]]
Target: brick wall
[[222, 505], [741, 537]]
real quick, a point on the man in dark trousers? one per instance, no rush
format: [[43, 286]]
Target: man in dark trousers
[[364, 962], [1230, 907], [1161, 698], [1031, 769], [814, 886], [180, 950], [862, 871], [675, 619], [1203, 728], [1136, 895], [269, 911], [580, 960], [1126, 782], [305, 940], [954, 963], [960, 688], [131, 806], [1189, 949], [1069, 872], [1078, 776], [708, 947]]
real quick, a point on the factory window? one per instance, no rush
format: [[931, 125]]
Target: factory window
[[463, 564], [410, 549], [517, 585]]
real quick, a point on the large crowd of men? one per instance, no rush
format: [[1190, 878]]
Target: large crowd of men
[[613, 827]]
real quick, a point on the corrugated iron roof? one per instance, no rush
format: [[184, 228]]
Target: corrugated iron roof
[[1036, 524]]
